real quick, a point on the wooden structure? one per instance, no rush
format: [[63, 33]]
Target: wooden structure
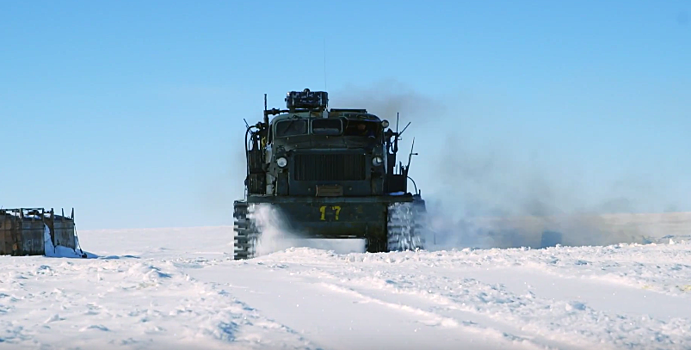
[[25, 231]]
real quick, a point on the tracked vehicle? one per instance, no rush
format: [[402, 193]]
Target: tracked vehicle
[[330, 173]]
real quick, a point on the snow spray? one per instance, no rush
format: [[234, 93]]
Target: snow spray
[[275, 234]]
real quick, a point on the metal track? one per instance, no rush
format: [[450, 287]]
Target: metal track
[[246, 232], [404, 226]]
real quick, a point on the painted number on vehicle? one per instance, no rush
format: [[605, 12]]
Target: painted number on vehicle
[[336, 209]]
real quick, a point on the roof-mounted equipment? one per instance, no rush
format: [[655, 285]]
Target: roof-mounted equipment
[[306, 99]]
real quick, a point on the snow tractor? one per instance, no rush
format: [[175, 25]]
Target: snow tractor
[[331, 174]]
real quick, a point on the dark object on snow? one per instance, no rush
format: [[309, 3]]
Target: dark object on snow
[[329, 173]]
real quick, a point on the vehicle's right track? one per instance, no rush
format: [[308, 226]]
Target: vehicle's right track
[[405, 223]]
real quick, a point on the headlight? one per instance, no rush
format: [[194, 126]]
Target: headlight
[[385, 123], [377, 161], [281, 162]]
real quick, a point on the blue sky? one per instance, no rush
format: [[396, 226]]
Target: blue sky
[[132, 111]]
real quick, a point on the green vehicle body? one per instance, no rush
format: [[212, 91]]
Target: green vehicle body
[[330, 173]]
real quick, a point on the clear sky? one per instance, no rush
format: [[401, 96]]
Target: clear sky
[[132, 111]]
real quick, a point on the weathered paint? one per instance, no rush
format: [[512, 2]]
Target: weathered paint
[[32, 237], [21, 236], [9, 239], [63, 232], [335, 219]]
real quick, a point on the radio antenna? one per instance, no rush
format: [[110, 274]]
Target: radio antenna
[[397, 116], [325, 64]]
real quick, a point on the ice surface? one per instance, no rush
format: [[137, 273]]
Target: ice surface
[[180, 289]]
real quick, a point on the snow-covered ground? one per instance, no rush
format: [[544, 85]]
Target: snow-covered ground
[[180, 289]]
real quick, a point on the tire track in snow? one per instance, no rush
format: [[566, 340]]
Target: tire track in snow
[[436, 278], [338, 317], [443, 310], [438, 318], [334, 319], [545, 321]]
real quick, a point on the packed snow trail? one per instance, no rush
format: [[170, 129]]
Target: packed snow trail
[[337, 317], [181, 288], [491, 299]]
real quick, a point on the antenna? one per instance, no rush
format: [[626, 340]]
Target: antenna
[[395, 142], [397, 122], [398, 135], [266, 115], [325, 64], [411, 154], [406, 127]]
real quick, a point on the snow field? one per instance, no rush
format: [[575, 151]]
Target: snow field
[[180, 288]]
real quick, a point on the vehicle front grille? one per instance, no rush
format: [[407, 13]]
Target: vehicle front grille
[[329, 167]]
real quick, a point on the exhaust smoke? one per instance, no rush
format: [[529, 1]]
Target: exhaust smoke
[[505, 190]]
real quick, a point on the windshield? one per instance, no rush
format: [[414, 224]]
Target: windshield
[[326, 126], [362, 128], [291, 128]]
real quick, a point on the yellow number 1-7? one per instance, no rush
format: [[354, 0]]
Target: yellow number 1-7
[[335, 208]]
